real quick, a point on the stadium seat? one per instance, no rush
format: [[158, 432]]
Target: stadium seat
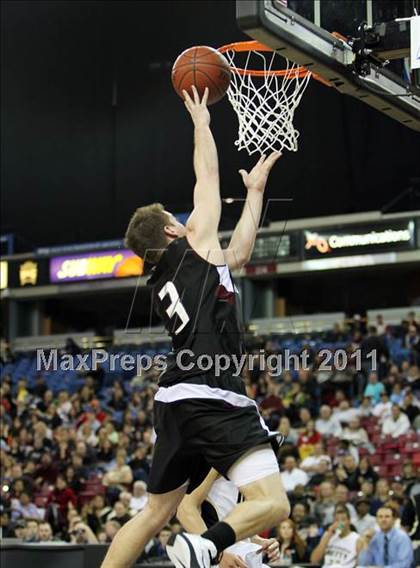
[[393, 459], [376, 459], [416, 459], [390, 444], [95, 487], [85, 497], [381, 470], [410, 448], [377, 439], [412, 437], [394, 470]]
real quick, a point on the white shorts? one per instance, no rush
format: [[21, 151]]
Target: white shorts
[[256, 464]]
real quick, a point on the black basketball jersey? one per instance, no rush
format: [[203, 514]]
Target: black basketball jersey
[[198, 304]]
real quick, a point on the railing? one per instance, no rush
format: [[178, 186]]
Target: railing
[[392, 316], [296, 324], [86, 340], [139, 336]]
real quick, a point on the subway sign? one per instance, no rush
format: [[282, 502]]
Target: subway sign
[[358, 239], [95, 265]]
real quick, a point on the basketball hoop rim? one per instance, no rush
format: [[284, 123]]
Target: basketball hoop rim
[[253, 45]]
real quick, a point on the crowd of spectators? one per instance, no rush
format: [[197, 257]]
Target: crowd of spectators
[[75, 466]]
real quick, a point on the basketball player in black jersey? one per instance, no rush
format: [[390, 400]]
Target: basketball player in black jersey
[[202, 418]]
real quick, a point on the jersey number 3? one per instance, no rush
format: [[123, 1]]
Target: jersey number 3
[[175, 307]]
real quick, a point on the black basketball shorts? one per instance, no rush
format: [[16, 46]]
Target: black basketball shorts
[[199, 426]]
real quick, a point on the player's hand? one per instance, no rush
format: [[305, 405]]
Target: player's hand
[[231, 561], [256, 179], [270, 547], [198, 109]]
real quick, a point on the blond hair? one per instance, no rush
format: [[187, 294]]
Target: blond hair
[[145, 233]]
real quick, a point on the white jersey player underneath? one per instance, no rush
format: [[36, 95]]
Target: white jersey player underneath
[[211, 502]]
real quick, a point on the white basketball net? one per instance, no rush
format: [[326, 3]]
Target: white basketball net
[[265, 105]]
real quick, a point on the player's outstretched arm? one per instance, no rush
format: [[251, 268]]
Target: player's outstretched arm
[[243, 238], [203, 223]]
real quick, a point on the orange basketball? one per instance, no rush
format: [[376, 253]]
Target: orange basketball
[[203, 67]]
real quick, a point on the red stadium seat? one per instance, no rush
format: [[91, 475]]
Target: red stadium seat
[[416, 459], [410, 448], [95, 487], [376, 459], [394, 470], [412, 437], [93, 482], [377, 439], [85, 497], [392, 459], [368, 424], [381, 470], [391, 443]]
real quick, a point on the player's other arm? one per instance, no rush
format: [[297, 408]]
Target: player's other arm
[[243, 238], [203, 223]]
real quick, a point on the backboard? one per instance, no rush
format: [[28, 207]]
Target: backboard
[[354, 60]]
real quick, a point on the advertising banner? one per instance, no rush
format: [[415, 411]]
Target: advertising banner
[[4, 275], [359, 239], [95, 265]]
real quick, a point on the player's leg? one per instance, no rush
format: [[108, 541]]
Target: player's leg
[[228, 431], [169, 477], [257, 476], [131, 539], [266, 505]]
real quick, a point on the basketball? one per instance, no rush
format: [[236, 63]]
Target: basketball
[[203, 67]]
